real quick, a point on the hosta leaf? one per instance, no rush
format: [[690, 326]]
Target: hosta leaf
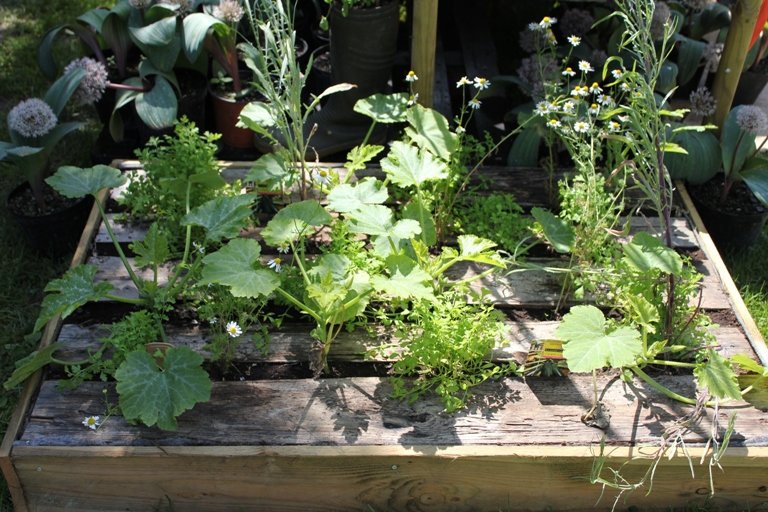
[[153, 250], [384, 108], [557, 232], [290, 223], [407, 166], [158, 395], [157, 107], [72, 290], [347, 198], [222, 217], [233, 266], [406, 280], [588, 346], [430, 130], [75, 182], [645, 252], [717, 376]]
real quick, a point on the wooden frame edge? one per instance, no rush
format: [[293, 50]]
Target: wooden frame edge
[[739, 307], [16, 423]]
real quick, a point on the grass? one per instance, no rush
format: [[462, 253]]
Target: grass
[[23, 274], [750, 272]]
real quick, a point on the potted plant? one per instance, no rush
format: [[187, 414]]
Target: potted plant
[[228, 92], [49, 221], [150, 45], [734, 203]]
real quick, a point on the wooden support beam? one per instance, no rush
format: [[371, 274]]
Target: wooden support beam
[[423, 48]]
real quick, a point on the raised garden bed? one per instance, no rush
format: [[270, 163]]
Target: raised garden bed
[[275, 439]]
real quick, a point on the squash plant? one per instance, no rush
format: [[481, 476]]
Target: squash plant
[[153, 389]]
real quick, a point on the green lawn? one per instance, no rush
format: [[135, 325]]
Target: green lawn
[[23, 274]]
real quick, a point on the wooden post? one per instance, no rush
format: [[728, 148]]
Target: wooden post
[[734, 52], [423, 48]]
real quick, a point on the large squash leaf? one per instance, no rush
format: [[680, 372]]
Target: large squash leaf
[[71, 291], [76, 182], [407, 166], [589, 345], [347, 198], [431, 131], [234, 266], [717, 376], [158, 394], [222, 217], [293, 221]]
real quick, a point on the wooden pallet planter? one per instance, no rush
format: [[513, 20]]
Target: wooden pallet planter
[[341, 443]]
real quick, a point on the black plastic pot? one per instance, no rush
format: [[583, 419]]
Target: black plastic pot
[[732, 230], [55, 233]]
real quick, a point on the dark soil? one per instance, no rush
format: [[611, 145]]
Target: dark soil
[[740, 200], [25, 205]]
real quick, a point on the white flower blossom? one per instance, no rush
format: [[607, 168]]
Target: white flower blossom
[[93, 84], [462, 82], [547, 22], [581, 127], [595, 88], [275, 264], [568, 72], [228, 11], [613, 126], [585, 66], [474, 103], [411, 77], [233, 329], [481, 83], [554, 123], [32, 118], [92, 422], [594, 109], [574, 40], [617, 73], [569, 107]]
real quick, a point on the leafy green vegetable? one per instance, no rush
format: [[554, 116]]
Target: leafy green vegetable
[[590, 344], [157, 394], [233, 266], [71, 181], [75, 288]]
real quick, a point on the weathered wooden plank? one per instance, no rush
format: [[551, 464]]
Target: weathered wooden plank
[[292, 343], [128, 232], [360, 411], [424, 32], [414, 478], [529, 288]]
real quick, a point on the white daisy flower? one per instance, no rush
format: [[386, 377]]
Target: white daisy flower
[[613, 126], [283, 248], [594, 109], [460, 130], [474, 103], [574, 40], [595, 88], [585, 66], [554, 123], [547, 22], [462, 82], [605, 100], [233, 329], [543, 108], [481, 83], [411, 77], [276, 264], [581, 127], [569, 107], [568, 72], [616, 73], [92, 422]]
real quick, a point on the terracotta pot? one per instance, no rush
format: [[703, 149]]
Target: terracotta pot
[[154, 347], [226, 111]]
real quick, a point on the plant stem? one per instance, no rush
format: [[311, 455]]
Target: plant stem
[[661, 389], [136, 281]]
